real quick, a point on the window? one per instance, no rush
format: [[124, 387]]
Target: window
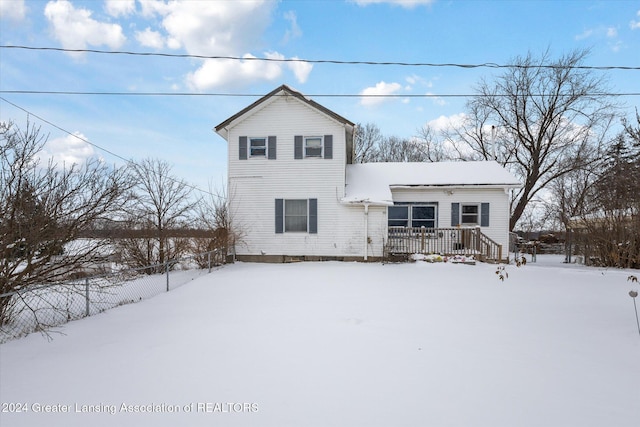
[[469, 214], [415, 215], [398, 216], [258, 147], [295, 215], [423, 216], [313, 146]]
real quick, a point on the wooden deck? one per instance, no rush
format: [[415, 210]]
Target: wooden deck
[[444, 241]]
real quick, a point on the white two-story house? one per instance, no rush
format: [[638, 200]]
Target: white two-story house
[[294, 192]]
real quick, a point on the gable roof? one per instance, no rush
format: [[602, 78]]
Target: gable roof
[[372, 182], [284, 89]]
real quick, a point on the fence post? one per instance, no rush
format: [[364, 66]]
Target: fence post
[[86, 296], [209, 260], [166, 268]]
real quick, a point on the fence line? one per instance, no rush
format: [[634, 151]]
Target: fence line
[[38, 308]]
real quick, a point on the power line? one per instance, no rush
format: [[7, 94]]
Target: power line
[[322, 61], [319, 95], [127, 161]]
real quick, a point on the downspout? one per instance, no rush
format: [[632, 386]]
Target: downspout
[[366, 230]]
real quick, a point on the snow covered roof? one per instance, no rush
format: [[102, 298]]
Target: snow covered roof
[[372, 182]]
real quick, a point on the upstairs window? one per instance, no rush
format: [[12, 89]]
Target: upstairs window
[[258, 147], [313, 146]]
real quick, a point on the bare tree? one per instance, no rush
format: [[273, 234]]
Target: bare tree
[[549, 117], [394, 149], [215, 216], [608, 230], [44, 210], [367, 140], [372, 146], [436, 149], [159, 204]]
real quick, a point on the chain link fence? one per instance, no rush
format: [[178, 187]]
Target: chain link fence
[[42, 307]]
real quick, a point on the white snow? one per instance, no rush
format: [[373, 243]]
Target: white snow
[[372, 182], [345, 344]]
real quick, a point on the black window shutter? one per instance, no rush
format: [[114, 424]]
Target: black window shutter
[[279, 215], [455, 214], [272, 148], [313, 216], [243, 147], [297, 147], [484, 214], [328, 146]]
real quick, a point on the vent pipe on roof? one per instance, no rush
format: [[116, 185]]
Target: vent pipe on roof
[[493, 142]]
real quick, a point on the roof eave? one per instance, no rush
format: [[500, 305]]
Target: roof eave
[[219, 129], [493, 185]]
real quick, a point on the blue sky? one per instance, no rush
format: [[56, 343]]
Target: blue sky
[[178, 129]]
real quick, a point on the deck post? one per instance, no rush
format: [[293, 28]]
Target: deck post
[[366, 231]]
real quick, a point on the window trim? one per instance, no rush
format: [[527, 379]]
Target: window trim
[[409, 220], [304, 146], [284, 216], [265, 147], [477, 214]]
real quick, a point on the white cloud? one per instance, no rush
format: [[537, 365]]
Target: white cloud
[[584, 35], [300, 69], [68, 150], [382, 89], [635, 25], [616, 46], [436, 99], [612, 32], [75, 29], [216, 73], [13, 10], [294, 32], [447, 122], [150, 38], [403, 3], [118, 8], [218, 28], [151, 8]]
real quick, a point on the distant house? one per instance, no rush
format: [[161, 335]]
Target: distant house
[[296, 194]]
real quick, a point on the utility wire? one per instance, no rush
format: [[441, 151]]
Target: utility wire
[[320, 95], [128, 161], [320, 61]]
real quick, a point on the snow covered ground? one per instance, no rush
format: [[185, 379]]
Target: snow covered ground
[[344, 344]]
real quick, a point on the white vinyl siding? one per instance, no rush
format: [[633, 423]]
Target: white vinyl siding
[[496, 200], [254, 186]]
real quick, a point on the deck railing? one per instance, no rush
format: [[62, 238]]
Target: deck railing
[[445, 241]]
